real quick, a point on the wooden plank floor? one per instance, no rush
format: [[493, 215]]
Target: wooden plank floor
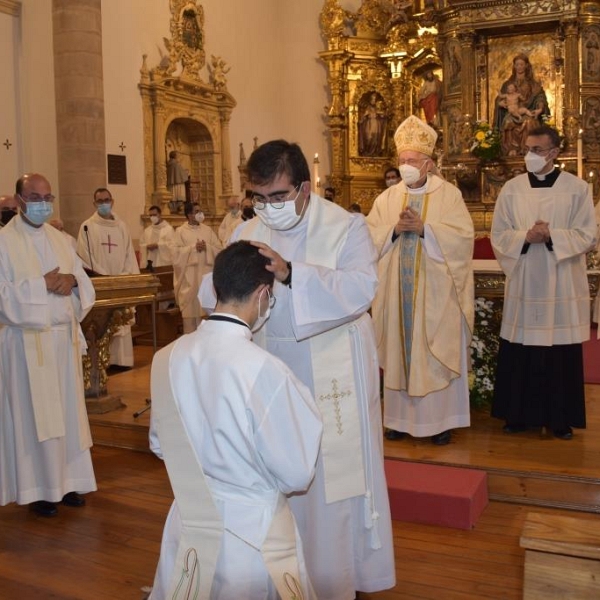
[[109, 549]]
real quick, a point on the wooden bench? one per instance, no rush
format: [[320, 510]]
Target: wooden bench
[[562, 557]]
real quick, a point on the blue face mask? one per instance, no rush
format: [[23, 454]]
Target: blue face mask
[[39, 212], [104, 210]]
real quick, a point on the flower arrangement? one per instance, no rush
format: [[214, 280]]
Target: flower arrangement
[[484, 352], [486, 141]]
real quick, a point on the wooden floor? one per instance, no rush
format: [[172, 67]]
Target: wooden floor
[[109, 549]]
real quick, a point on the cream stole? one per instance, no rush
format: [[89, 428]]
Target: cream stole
[[331, 359], [42, 367], [202, 525]]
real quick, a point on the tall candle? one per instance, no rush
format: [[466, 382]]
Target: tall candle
[[591, 183], [580, 154], [316, 179]]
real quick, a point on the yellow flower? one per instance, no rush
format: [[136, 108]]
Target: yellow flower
[[485, 145], [479, 136]]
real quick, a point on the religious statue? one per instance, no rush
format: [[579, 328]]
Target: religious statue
[[592, 54], [519, 107], [218, 69], [176, 179], [372, 127], [454, 62], [430, 97], [191, 33]]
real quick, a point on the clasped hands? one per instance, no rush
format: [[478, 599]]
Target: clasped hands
[[539, 233], [60, 283], [409, 220], [200, 246]]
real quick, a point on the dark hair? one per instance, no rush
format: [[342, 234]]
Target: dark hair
[[155, 207], [550, 132], [355, 207], [102, 189], [173, 154], [20, 184], [239, 269], [330, 189], [276, 158], [395, 169], [188, 208]]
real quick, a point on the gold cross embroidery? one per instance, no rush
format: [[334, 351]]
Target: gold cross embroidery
[[336, 396]]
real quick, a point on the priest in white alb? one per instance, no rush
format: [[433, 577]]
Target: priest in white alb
[[230, 221], [237, 431], [325, 270], [44, 294], [104, 244], [195, 246], [156, 241], [424, 307]]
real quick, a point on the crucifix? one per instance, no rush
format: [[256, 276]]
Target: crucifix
[[7, 144], [109, 244], [122, 146]]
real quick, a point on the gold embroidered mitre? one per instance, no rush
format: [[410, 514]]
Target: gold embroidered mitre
[[414, 134]]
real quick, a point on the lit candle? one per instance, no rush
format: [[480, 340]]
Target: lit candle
[[316, 179], [591, 183], [580, 154], [318, 182]]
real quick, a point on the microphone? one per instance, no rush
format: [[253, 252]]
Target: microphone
[[87, 235]]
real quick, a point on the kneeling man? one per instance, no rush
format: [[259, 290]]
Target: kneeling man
[[237, 431]]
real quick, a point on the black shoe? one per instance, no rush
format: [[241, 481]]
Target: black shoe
[[510, 428], [441, 439], [44, 508], [73, 499], [393, 435], [563, 434]]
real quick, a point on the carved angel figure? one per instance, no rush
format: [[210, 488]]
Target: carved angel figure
[[217, 71]]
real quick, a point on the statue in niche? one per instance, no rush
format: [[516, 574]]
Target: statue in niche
[[372, 127], [531, 105], [454, 61], [217, 70], [430, 97], [591, 121], [191, 34], [177, 178], [592, 54]]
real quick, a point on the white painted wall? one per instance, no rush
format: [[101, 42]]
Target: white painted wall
[[276, 78]]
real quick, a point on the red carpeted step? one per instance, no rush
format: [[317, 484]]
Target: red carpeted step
[[436, 495]]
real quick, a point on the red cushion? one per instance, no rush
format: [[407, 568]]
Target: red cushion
[[483, 249]]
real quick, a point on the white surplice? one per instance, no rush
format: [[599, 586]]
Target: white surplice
[[256, 432], [349, 542], [161, 234], [546, 295], [189, 265], [112, 254], [30, 469], [428, 393], [228, 225]]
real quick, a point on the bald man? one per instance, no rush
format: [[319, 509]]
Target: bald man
[[8, 208], [44, 294]]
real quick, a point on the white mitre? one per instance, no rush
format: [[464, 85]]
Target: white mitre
[[414, 134]]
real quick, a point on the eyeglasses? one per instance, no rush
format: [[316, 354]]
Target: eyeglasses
[[276, 199], [38, 198], [272, 300], [539, 151], [413, 162]]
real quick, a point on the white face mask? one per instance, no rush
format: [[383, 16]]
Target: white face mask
[[234, 211], [261, 319], [199, 216], [390, 181], [154, 219], [410, 175], [281, 219], [534, 163]]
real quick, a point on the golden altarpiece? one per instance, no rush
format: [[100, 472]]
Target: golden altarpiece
[[185, 114], [380, 57]]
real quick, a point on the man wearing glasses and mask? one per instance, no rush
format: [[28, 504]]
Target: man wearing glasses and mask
[[423, 310], [323, 261], [542, 228], [44, 295]]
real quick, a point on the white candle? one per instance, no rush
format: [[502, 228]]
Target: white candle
[[316, 179], [591, 183], [580, 154]]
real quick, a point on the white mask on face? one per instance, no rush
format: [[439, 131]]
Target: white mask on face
[[154, 219], [534, 163], [199, 216], [281, 219], [410, 175], [261, 319], [390, 181]]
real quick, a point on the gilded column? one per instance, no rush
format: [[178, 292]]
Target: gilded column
[[79, 90], [469, 67], [572, 116], [226, 154]]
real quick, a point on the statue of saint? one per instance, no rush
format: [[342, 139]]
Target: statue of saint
[[519, 107], [430, 97], [372, 128], [176, 178]]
